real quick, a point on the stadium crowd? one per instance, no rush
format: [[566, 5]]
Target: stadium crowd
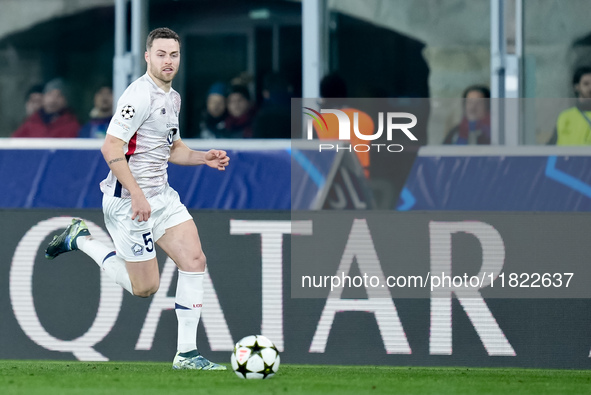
[[230, 112]]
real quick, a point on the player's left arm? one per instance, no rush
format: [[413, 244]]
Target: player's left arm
[[182, 155]]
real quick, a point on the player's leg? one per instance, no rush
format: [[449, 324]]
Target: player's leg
[[76, 236], [178, 242], [138, 278], [144, 276], [107, 260], [181, 243], [136, 252], [134, 266]]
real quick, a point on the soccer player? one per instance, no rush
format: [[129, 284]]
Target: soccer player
[[139, 206]]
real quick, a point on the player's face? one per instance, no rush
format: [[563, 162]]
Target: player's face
[[163, 59], [583, 88]]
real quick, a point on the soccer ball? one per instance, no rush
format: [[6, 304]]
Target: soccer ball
[[255, 357]]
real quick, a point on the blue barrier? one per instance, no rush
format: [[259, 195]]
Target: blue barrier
[[263, 175], [499, 179], [52, 174], [69, 177]]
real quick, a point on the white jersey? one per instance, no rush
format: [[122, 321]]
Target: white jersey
[[147, 119]]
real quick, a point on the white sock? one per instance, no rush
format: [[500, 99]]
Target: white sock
[[188, 303], [106, 259]]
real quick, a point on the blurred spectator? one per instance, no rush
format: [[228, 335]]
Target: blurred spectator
[[100, 115], [212, 124], [240, 113], [573, 126], [34, 99], [273, 119], [474, 128], [53, 119]]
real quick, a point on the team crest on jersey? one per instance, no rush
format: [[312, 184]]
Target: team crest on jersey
[[127, 112], [137, 249]]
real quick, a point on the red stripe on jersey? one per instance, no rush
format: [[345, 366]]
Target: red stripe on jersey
[[131, 146]]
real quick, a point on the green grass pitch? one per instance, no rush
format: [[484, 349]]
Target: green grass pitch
[[59, 377]]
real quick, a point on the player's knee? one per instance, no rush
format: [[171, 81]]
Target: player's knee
[[200, 262], [145, 293], [197, 264], [146, 290]]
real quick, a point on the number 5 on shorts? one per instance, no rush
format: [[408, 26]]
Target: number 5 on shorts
[[148, 241]]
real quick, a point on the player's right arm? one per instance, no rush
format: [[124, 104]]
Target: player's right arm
[[133, 108], [113, 152]]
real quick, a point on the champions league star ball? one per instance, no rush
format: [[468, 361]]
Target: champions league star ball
[[255, 357], [127, 112]]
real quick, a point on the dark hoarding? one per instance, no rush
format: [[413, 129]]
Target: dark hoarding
[[64, 309]]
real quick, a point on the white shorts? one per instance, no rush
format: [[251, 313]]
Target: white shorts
[[135, 241]]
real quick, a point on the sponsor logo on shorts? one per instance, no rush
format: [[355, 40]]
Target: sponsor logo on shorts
[[137, 249]]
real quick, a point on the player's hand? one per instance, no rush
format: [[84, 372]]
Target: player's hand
[[140, 208], [217, 159]]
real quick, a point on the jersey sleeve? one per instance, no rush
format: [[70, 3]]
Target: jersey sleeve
[[133, 108], [176, 136], [177, 108]]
